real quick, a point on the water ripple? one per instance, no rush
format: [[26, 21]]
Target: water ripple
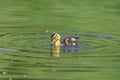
[[92, 40], [21, 53]]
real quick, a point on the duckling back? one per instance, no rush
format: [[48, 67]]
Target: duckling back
[[70, 41]]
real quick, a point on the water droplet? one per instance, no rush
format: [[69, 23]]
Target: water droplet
[[4, 73], [24, 75], [53, 70], [46, 31]]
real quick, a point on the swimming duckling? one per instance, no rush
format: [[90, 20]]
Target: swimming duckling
[[55, 42], [70, 41]]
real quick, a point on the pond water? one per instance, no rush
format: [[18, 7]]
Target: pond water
[[26, 56]]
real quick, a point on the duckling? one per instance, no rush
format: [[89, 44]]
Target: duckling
[[55, 47], [70, 41]]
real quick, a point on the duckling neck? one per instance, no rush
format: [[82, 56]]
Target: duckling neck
[[57, 43]]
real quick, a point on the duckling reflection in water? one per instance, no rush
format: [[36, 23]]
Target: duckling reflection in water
[[69, 43], [55, 45]]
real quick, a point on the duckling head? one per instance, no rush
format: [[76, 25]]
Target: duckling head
[[55, 39]]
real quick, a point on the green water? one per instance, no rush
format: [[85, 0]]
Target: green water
[[26, 27]]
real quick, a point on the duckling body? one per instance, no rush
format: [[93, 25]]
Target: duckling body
[[70, 41], [55, 47]]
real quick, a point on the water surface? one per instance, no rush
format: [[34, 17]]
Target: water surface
[[26, 27], [26, 56]]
